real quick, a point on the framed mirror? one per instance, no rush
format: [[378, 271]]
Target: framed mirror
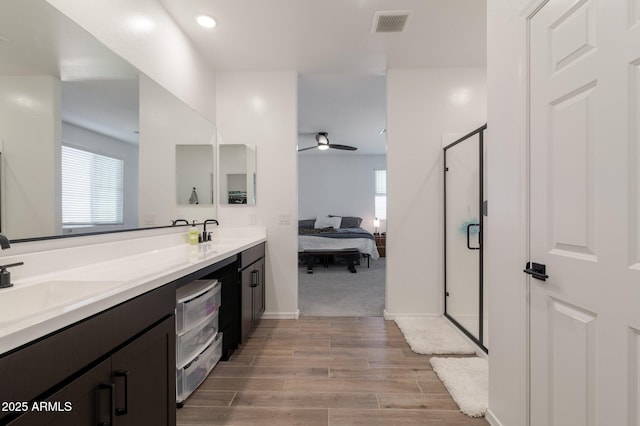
[[237, 174], [76, 118]]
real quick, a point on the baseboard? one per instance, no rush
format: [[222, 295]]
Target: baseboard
[[394, 315], [281, 315], [491, 419]]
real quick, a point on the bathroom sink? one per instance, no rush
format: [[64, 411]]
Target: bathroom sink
[[23, 301]]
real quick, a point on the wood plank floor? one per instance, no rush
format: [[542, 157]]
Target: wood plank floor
[[324, 371]]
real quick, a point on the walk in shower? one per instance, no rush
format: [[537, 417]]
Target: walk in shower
[[464, 207]]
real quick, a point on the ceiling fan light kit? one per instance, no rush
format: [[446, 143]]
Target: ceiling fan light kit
[[323, 143], [322, 138]]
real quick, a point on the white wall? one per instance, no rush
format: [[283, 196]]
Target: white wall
[[505, 226], [30, 132], [143, 33], [339, 185], [260, 108], [422, 106], [127, 152]]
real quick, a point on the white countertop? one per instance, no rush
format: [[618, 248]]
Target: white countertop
[[41, 304]]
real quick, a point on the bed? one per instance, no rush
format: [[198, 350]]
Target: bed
[[339, 236]]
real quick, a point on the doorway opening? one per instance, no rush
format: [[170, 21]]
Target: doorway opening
[[341, 195]]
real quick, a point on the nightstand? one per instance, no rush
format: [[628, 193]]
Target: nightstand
[[381, 243]]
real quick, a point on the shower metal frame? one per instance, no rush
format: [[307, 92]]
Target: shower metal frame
[[482, 212]]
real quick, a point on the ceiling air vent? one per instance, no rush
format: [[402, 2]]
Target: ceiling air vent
[[390, 21]]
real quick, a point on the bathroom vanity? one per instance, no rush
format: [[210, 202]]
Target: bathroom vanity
[[108, 355]]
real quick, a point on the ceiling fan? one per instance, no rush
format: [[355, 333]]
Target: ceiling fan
[[323, 143]]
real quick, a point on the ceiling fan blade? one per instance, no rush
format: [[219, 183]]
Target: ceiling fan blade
[[343, 147], [305, 149]]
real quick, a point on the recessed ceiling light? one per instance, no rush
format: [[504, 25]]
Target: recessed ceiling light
[[206, 21]]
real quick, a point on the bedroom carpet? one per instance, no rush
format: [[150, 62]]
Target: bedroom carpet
[[334, 291], [467, 379], [433, 335]]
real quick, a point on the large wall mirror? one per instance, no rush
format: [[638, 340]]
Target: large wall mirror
[[237, 174], [87, 141]]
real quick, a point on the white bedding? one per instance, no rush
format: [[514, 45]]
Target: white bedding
[[364, 245]]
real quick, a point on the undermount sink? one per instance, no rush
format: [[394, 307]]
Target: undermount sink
[[21, 302]]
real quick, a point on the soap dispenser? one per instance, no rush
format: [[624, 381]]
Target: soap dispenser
[[193, 234]]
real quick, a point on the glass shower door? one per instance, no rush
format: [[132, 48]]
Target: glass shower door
[[463, 236]]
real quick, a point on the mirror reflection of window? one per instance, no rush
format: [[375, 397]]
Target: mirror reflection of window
[[92, 189]]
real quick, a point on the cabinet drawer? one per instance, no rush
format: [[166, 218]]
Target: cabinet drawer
[[196, 301], [192, 342], [191, 375], [250, 255]]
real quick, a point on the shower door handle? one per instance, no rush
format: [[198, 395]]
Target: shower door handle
[[469, 236]]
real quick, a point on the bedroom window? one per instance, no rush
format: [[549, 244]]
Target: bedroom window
[[92, 188], [381, 194]]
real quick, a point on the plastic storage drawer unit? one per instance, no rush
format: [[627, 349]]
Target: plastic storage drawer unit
[[196, 301], [193, 341], [189, 377]]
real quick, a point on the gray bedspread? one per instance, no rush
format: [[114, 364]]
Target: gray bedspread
[[337, 233]]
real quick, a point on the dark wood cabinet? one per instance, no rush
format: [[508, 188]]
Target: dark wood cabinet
[[252, 268], [259, 293], [84, 401], [144, 388], [115, 368]]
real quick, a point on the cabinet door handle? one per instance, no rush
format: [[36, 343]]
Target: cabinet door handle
[[109, 387], [255, 278], [125, 374]]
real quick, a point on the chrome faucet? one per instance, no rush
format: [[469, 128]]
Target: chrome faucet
[[175, 222], [207, 236]]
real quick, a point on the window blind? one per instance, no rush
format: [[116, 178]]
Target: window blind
[[92, 188], [381, 194]]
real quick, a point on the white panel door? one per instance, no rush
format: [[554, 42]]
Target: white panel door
[[584, 204]]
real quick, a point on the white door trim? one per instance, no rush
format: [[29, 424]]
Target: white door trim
[[533, 8]]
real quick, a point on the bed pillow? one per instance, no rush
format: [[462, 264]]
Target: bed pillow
[[349, 221], [306, 223], [328, 222]]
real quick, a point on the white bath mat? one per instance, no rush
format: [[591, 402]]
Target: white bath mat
[[467, 379], [433, 335]]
